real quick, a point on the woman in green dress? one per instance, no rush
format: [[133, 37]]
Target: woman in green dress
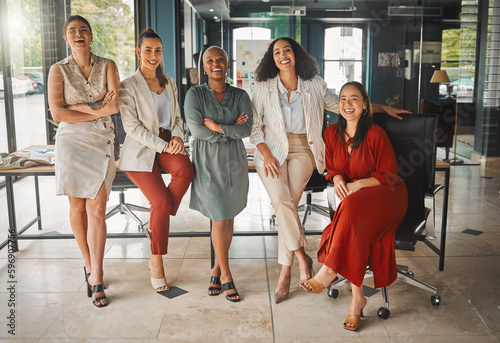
[[219, 116]]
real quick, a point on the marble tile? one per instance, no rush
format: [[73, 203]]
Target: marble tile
[[411, 316], [198, 247], [96, 340], [35, 312], [128, 315], [200, 316], [442, 339], [48, 275], [133, 275], [248, 275], [140, 248], [320, 316]]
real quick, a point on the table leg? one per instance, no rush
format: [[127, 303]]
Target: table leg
[[12, 236], [38, 208], [444, 218]]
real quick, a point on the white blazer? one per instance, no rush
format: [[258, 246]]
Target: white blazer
[[140, 121], [268, 122]]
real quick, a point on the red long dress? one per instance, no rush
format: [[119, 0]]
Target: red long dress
[[364, 226]]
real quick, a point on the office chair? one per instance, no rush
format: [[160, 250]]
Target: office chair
[[317, 183], [120, 184], [446, 132], [414, 142]]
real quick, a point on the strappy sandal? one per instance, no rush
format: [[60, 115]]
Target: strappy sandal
[[316, 287], [213, 291], [353, 321], [98, 289], [158, 283], [87, 275], [227, 287]]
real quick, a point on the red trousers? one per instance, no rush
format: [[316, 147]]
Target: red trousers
[[164, 201]]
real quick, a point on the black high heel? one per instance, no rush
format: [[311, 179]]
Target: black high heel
[[213, 291], [98, 289], [227, 287], [89, 289]]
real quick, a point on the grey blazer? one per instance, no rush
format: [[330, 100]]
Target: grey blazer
[[140, 121]]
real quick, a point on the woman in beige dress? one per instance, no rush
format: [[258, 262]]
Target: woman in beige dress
[[83, 93]]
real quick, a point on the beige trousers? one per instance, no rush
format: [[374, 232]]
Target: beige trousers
[[285, 193]]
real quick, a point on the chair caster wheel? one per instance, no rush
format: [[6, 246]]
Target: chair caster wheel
[[333, 293], [383, 312], [435, 300], [409, 273]]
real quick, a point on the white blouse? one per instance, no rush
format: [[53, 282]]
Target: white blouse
[[162, 103]]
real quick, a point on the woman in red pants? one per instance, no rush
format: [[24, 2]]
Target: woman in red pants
[[151, 119]]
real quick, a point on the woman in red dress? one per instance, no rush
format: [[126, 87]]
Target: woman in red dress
[[361, 162]]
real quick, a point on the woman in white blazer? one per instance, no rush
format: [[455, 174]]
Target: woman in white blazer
[[152, 121], [288, 106]]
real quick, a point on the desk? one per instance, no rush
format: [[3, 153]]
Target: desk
[[49, 171]]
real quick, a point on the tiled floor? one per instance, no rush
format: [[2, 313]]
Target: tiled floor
[[51, 302]]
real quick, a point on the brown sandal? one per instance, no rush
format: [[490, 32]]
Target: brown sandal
[[353, 321], [316, 287]]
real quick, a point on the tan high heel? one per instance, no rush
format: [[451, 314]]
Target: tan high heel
[[353, 321], [316, 287]]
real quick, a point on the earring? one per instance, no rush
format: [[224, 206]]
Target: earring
[[204, 72], [365, 111]]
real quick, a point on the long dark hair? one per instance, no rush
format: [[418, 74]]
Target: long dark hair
[[365, 121], [306, 66], [76, 17], [150, 33]]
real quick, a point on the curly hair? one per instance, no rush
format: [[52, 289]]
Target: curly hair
[[306, 66], [365, 121]]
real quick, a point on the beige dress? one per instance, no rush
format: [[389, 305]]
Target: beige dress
[[84, 156]]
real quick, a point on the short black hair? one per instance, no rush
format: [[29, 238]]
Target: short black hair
[[306, 66]]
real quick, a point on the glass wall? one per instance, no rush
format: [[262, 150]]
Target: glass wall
[[113, 38], [25, 42], [343, 56]]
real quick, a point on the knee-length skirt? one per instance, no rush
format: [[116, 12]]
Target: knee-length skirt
[[84, 158]]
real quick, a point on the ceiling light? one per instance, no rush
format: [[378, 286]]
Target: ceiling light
[[215, 17], [211, 10], [266, 0]]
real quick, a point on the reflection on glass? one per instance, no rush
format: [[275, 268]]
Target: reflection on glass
[[343, 56], [249, 45], [26, 62], [112, 30]]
